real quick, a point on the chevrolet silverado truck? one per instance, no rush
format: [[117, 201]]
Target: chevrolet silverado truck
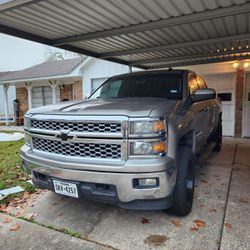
[[133, 142]]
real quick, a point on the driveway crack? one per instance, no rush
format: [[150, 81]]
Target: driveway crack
[[227, 197]]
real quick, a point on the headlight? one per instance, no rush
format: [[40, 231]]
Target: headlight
[[147, 148], [147, 127]]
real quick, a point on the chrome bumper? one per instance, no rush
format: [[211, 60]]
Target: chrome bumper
[[122, 181]]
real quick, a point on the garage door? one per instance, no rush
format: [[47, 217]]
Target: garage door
[[246, 111], [43, 96], [224, 84]]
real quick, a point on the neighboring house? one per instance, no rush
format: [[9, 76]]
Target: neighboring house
[[56, 81], [43, 84]]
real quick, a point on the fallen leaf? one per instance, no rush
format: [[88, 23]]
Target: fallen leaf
[[144, 221], [3, 208], [6, 220], [194, 229], [176, 222], [23, 178], [29, 216], [15, 227], [212, 210], [228, 226], [61, 214], [200, 223], [243, 200]]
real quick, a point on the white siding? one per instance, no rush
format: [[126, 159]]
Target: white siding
[[11, 97], [100, 69]]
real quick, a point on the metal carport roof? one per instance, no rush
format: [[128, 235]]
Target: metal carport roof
[[141, 33]]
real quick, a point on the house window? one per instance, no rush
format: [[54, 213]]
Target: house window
[[43, 96], [225, 96]]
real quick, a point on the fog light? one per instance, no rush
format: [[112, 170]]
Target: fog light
[[149, 182]]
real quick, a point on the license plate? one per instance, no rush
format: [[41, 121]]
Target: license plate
[[65, 188]]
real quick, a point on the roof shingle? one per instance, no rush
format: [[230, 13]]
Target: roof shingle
[[45, 69]]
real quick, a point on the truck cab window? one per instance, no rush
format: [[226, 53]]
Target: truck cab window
[[142, 85]]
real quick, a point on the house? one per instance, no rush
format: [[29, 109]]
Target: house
[[52, 82]]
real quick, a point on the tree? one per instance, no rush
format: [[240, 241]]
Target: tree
[[59, 54]]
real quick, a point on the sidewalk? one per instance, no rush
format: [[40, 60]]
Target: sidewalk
[[17, 234]]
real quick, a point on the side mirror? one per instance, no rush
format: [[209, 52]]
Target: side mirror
[[203, 94]]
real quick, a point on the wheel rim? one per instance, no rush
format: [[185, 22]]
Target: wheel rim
[[190, 184]]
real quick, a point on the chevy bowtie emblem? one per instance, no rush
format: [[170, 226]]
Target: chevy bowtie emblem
[[64, 136]]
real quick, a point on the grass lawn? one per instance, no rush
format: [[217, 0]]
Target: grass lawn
[[11, 173]]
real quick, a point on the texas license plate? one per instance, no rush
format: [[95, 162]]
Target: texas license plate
[[65, 188]]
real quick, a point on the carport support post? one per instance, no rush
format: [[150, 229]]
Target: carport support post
[[6, 106], [239, 101], [53, 85], [29, 88]]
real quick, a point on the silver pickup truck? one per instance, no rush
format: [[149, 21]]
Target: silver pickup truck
[[132, 143]]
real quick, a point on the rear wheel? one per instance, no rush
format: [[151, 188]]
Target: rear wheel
[[217, 137], [184, 187]]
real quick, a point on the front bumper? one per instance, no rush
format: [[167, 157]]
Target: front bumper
[[111, 187]]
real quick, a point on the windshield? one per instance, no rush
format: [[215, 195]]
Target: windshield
[[149, 85]]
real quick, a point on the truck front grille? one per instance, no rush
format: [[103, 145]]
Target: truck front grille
[[87, 127], [78, 149]]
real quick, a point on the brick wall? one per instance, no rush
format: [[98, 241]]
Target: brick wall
[[239, 101], [22, 96], [77, 90]]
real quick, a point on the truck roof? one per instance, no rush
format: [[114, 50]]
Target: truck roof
[[146, 72]]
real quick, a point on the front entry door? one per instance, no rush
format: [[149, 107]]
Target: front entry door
[[246, 113]]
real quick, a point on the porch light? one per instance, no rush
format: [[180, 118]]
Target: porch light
[[235, 65], [246, 64]]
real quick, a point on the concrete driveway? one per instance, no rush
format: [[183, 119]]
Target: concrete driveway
[[220, 218]]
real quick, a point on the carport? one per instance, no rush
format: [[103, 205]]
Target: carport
[[153, 34], [146, 34]]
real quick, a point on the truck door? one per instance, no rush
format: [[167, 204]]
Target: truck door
[[199, 109], [210, 106]]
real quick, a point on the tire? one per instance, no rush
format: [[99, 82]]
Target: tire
[[217, 137], [184, 186]]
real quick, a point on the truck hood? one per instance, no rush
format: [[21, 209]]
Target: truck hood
[[131, 107]]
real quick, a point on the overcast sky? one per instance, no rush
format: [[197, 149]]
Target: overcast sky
[[16, 53]]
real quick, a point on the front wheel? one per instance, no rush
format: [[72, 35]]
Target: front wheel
[[184, 186]]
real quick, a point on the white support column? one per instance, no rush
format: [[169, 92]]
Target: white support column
[[130, 70], [6, 106], [83, 88], [29, 88], [53, 85]]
